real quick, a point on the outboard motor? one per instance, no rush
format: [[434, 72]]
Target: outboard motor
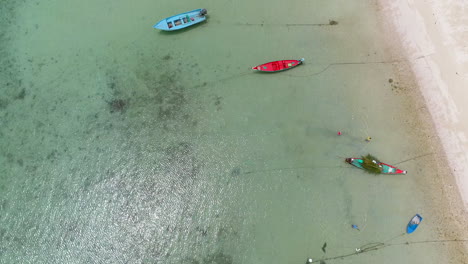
[[203, 12]]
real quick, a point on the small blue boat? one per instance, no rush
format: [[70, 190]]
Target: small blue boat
[[183, 20], [413, 223]]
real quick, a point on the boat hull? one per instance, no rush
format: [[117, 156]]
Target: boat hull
[[181, 21], [413, 223], [386, 168], [277, 66]]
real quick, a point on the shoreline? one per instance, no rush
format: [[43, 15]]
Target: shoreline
[[432, 36], [440, 78], [433, 53], [437, 65]]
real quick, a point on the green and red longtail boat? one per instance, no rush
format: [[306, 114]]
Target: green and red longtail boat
[[383, 167]]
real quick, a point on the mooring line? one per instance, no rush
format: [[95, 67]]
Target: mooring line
[[331, 23], [359, 63], [417, 157], [292, 168], [346, 63], [381, 245], [232, 77]]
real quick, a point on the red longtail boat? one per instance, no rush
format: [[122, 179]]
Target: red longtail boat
[[276, 66]]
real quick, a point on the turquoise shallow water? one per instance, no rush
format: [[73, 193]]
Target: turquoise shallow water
[[123, 144]]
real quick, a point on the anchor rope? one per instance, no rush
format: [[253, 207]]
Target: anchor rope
[[381, 245]]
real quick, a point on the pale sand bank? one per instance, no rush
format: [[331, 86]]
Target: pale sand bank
[[434, 37]]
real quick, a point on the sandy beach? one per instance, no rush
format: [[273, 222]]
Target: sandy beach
[[433, 35], [433, 39]]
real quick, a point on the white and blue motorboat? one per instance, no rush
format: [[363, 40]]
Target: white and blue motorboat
[[182, 20], [413, 223]]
